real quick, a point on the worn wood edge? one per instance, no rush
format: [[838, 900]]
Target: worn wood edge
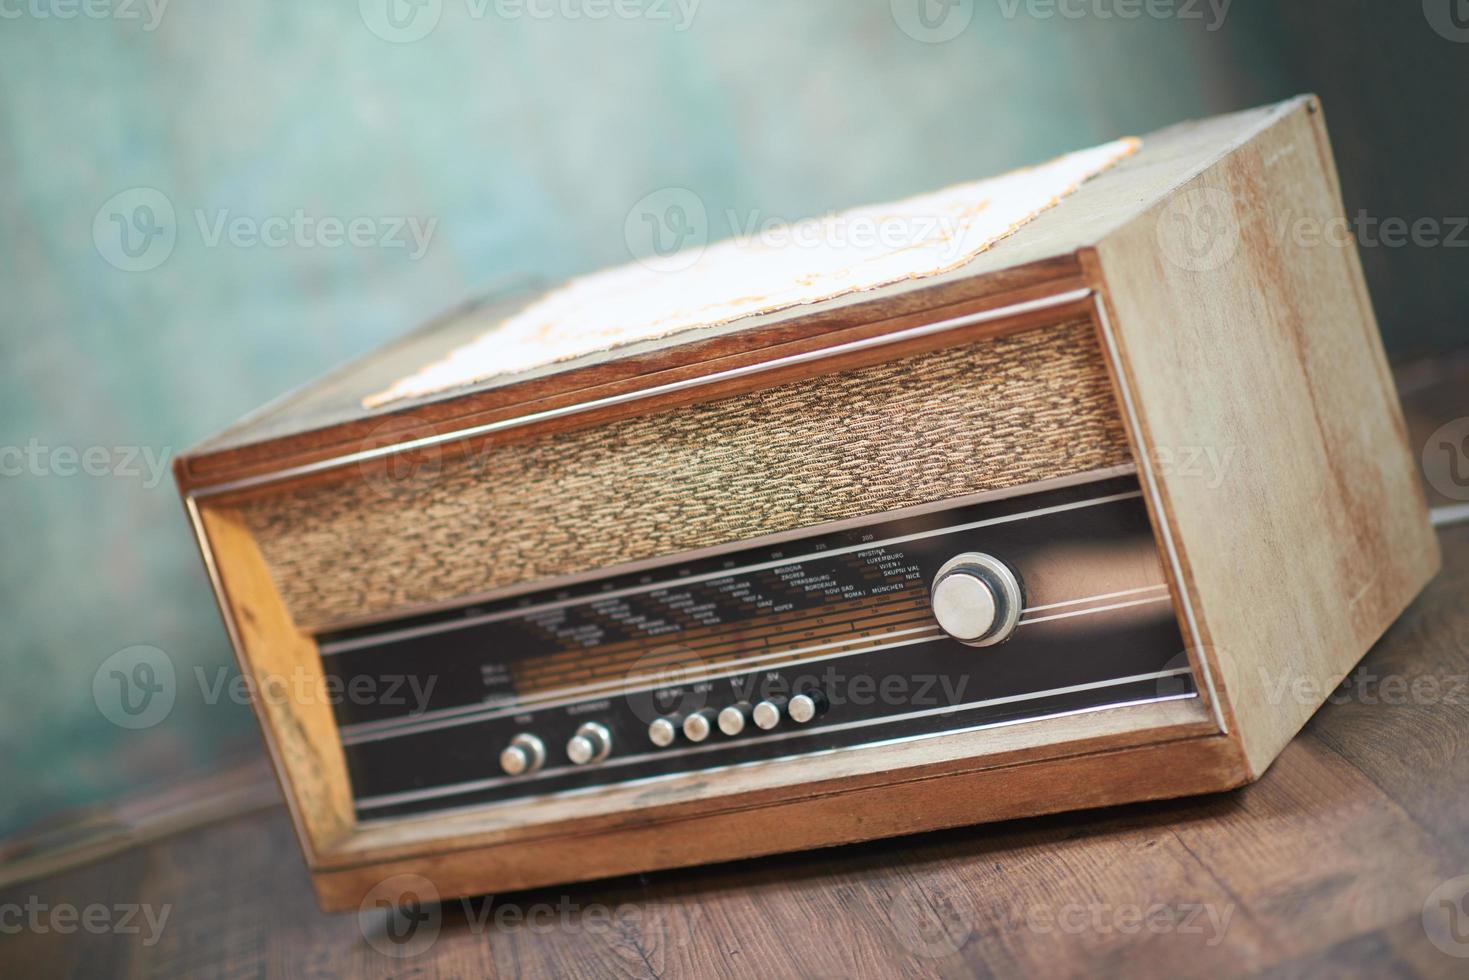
[[1150, 772], [1172, 559], [301, 737], [441, 418], [1239, 722], [687, 349]]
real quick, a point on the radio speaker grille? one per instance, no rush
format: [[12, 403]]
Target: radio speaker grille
[[995, 413]]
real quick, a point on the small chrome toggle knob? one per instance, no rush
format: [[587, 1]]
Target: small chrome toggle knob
[[523, 756], [663, 731], [766, 714], [803, 707], [698, 726], [591, 743], [732, 719], [976, 599]]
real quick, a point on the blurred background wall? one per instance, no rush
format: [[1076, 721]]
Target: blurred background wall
[[134, 321]]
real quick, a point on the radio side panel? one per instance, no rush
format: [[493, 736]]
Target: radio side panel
[[1268, 421]]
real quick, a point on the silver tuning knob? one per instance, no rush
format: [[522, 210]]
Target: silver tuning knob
[[591, 743], [524, 755], [976, 599]]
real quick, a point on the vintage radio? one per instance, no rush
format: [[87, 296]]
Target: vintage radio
[[778, 545]]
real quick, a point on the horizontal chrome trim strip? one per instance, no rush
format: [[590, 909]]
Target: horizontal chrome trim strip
[[392, 636], [1094, 598], [672, 387], [1449, 514], [455, 789], [1096, 609]]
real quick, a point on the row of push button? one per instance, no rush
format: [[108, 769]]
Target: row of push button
[[592, 742], [699, 725]]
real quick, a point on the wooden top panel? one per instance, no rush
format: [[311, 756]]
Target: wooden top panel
[[326, 418]]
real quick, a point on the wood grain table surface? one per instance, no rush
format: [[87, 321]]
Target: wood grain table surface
[[1350, 858]]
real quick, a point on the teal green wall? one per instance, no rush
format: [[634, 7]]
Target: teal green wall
[[528, 141]]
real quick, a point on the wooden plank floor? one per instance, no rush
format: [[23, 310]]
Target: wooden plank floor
[[1323, 868]]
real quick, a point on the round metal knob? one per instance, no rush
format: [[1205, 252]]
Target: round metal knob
[[766, 714], [803, 707], [976, 599], [524, 755], [663, 731], [732, 719], [591, 743], [698, 726]]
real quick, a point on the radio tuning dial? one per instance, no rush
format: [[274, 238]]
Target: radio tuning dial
[[591, 743], [524, 755], [698, 726], [976, 599]]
